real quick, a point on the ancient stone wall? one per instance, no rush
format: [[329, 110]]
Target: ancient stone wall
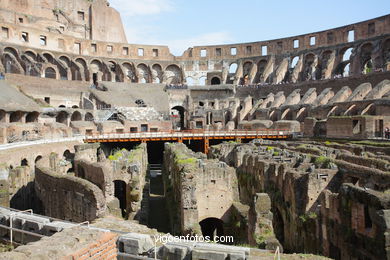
[[310, 200], [68, 197], [197, 188]]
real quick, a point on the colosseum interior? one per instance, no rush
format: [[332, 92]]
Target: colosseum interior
[[106, 147]]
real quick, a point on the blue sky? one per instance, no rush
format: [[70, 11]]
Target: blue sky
[[185, 23]]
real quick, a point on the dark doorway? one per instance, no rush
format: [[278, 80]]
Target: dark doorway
[[94, 78], [215, 81], [211, 227], [178, 120], [120, 194]]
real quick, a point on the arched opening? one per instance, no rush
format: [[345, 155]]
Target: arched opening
[[366, 59], [215, 81], [351, 111], [202, 81], [68, 156], [347, 69], [32, 117], [16, 117], [273, 116], [233, 68], [88, 117], [173, 75], [302, 114], [294, 62], [129, 72], [50, 73], [369, 110], [178, 117], [287, 115], [386, 55], [76, 116], [62, 117], [309, 70], [120, 194], [157, 73], [143, 73], [261, 65], [38, 158], [212, 227], [24, 162], [347, 54], [190, 81]]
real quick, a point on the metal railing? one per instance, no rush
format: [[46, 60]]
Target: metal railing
[[189, 134]]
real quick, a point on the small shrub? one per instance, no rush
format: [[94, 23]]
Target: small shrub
[[322, 162]]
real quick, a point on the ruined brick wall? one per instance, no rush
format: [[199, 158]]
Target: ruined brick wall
[[203, 188], [313, 211], [67, 197]]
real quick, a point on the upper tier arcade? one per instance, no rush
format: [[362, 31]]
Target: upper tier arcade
[[69, 41]]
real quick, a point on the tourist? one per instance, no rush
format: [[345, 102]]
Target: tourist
[[387, 133], [2, 76]]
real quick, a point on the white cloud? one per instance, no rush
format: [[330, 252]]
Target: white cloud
[[141, 7]]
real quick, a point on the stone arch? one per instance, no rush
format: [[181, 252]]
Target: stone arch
[[116, 72], [50, 73], [323, 64], [302, 114], [212, 226], [37, 159], [261, 65], [332, 111], [182, 114], [215, 81], [143, 73], [62, 117], [247, 68], [351, 111], [49, 57], [308, 67], [31, 53], [233, 68], [386, 54], [203, 81], [190, 81], [82, 64], [32, 117], [76, 116], [24, 162], [366, 61], [16, 117], [173, 75], [30, 60], [88, 117], [287, 115], [10, 60], [346, 53], [157, 73], [369, 110], [273, 116], [129, 72]]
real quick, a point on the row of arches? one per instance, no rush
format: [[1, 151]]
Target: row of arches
[[301, 113], [65, 68], [18, 117], [64, 116], [343, 62]]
